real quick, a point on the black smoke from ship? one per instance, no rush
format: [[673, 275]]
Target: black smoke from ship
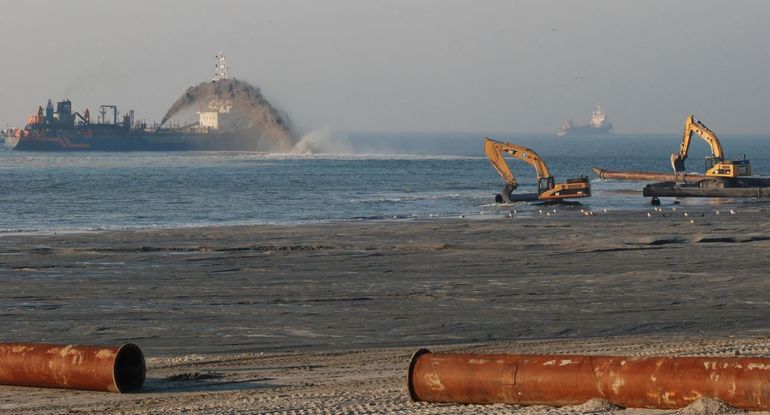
[[261, 126]]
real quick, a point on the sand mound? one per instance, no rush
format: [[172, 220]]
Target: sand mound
[[708, 406], [593, 405], [257, 119]]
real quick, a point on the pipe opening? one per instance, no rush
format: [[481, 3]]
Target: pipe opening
[[129, 370], [410, 375]]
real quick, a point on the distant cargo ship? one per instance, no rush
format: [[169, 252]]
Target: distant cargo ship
[[598, 126]]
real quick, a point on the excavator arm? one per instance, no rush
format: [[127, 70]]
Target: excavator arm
[[495, 149], [691, 125], [494, 152]]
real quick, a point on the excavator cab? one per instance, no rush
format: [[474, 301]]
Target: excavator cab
[[545, 184], [573, 188], [727, 168]]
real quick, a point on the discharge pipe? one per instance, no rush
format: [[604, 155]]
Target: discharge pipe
[[109, 369], [648, 176], [558, 380]]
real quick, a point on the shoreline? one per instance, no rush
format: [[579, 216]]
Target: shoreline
[[524, 211]]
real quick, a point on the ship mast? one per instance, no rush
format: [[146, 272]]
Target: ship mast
[[221, 68]]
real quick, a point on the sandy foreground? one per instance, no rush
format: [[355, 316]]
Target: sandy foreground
[[324, 318]]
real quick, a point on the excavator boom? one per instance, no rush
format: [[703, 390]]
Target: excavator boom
[[547, 188]]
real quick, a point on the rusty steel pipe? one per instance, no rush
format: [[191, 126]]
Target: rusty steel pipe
[[558, 380], [648, 176], [110, 369]]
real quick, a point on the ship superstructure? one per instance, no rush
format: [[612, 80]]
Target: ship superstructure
[[218, 114], [598, 118], [221, 68]]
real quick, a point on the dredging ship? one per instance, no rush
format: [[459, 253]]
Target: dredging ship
[[60, 129], [63, 130], [597, 126]]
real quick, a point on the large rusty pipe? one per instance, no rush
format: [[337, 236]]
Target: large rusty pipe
[[558, 380], [648, 176], [110, 369]]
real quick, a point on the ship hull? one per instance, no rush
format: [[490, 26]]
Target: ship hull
[[140, 142], [585, 130]]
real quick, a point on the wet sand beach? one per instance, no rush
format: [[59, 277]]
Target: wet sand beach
[[323, 318]]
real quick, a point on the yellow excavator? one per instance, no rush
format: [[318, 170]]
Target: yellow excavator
[[716, 165], [547, 189]]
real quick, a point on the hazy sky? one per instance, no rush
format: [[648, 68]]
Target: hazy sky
[[518, 66]]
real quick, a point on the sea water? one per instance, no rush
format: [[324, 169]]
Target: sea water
[[372, 176]]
